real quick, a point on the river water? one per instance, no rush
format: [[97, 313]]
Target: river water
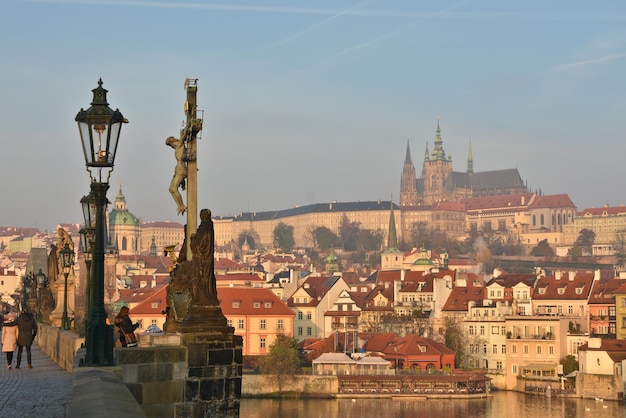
[[497, 405]]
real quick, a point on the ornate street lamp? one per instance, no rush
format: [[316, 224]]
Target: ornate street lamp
[[67, 260], [99, 127], [26, 282], [41, 283], [86, 242]]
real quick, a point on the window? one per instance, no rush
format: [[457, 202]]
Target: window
[[309, 331], [538, 349], [262, 343], [268, 304], [484, 348], [514, 369], [240, 324], [551, 349], [525, 349], [570, 309], [482, 330], [300, 315], [494, 349], [229, 322], [262, 324], [471, 330], [503, 348], [257, 305], [280, 324], [499, 365], [299, 330], [309, 316], [495, 330], [235, 305], [514, 348]]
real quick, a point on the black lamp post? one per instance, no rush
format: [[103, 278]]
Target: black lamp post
[[26, 282], [99, 128], [86, 242], [67, 260], [41, 283]]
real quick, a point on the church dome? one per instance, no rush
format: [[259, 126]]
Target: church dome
[[120, 215]]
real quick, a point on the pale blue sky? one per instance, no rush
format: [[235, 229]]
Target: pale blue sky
[[310, 101]]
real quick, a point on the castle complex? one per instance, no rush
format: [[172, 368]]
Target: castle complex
[[440, 184]]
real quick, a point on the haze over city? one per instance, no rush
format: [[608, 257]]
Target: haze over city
[[309, 101]]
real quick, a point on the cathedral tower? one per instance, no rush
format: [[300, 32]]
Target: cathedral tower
[[408, 184], [436, 173]]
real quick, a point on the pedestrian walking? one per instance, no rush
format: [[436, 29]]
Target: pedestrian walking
[[27, 327], [126, 328], [10, 333]]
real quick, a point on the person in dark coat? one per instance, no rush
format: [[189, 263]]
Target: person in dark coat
[[126, 328], [27, 331]]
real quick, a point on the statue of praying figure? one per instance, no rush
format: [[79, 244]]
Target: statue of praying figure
[[202, 247], [180, 172]]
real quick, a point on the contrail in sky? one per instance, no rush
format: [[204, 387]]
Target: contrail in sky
[[313, 26], [331, 12], [365, 44], [606, 58]]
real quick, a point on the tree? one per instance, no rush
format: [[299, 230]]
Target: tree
[[455, 340], [575, 251], [421, 235], [585, 240], [251, 236], [569, 363], [542, 249], [620, 243], [282, 360], [283, 237], [349, 233], [370, 240], [483, 255], [586, 237], [324, 238]]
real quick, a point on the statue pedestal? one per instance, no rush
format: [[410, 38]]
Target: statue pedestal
[[205, 318], [214, 366], [57, 314]]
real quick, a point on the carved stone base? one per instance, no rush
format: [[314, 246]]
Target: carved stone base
[[205, 319]]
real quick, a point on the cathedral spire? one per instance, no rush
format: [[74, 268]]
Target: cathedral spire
[[470, 159], [438, 153], [407, 159], [426, 155]]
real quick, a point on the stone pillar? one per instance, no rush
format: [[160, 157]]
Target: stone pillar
[[213, 384]]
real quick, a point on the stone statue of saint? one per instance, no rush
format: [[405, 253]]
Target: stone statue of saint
[[53, 264], [202, 246], [64, 238], [180, 172]]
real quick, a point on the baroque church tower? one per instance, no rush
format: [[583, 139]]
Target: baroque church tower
[[408, 183]]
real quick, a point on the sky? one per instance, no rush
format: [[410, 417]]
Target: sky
[[309, 102]]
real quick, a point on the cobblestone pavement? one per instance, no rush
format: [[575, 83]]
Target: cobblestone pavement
[[45, 391]]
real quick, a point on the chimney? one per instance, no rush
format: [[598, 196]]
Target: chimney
[[557, 275], [153, 281], [402, 274], [572, 274], [596, 275]]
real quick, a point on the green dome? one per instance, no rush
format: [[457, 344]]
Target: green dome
[[123, 217]]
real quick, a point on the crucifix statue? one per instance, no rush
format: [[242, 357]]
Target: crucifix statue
[[192, 294]]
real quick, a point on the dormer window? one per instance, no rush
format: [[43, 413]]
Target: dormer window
[[235, 304], [561, 291], [579, 290], [257, 305], [268, 304], [542, 290]]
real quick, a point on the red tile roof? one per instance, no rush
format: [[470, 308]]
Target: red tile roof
[[247, 297]]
